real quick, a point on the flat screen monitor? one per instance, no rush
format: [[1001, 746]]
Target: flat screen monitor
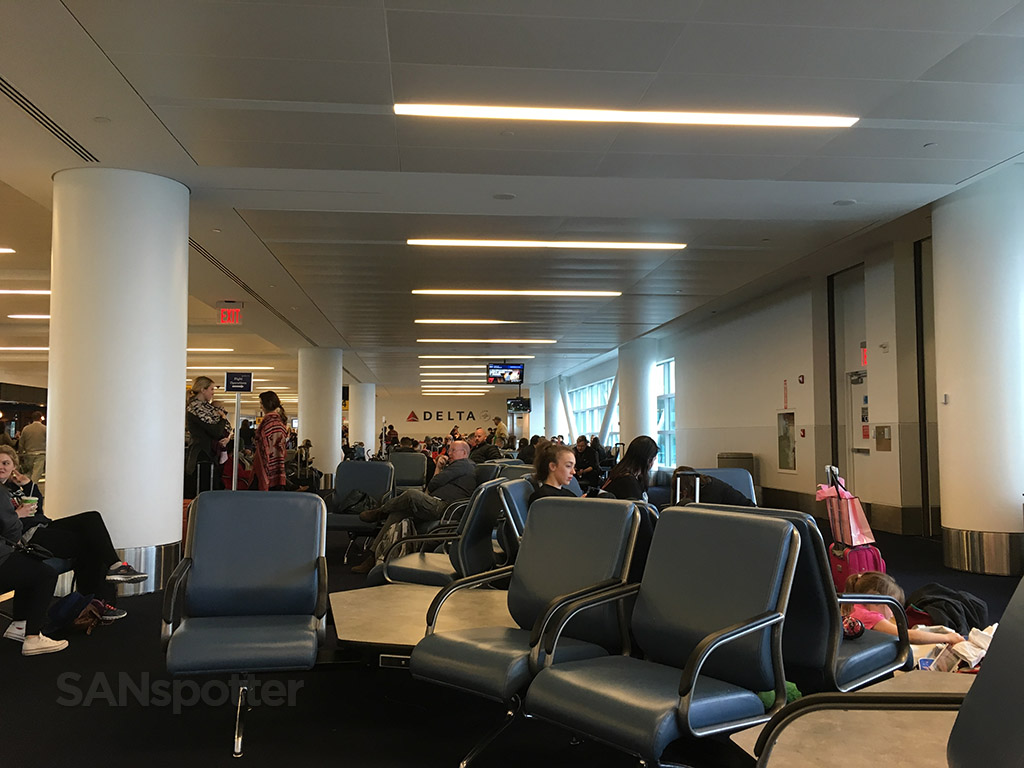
[[518, 405], [504, 373]]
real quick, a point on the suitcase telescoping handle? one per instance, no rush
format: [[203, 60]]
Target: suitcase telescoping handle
[[696, 486]]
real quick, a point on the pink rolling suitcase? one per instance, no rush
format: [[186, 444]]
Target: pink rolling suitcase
[[846, 561]]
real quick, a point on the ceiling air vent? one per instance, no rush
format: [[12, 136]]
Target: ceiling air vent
[[40, 117]]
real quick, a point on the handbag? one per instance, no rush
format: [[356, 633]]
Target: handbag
[[847, 519], [37, 551]]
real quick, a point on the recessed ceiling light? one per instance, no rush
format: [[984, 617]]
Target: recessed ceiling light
[[930, 145], [209, 349], [29, 317], [475, 112], [504, 196], [473, 357], [7, 250], [468, 322], [22, 292], [575, 244], [844, 202], [217, 230], [491, 292], [24, 349], [487, 341], [101, 119]]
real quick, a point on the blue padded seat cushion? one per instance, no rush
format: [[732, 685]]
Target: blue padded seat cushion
[[489, 661], [865, 654], [242, 644], [632, 704]]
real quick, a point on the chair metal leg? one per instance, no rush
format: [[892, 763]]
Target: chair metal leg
[[514, 708], [243, 692]]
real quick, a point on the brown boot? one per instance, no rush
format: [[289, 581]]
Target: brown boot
[[370, 515], [366, 566]]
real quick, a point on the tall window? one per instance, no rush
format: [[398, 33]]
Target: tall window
[[665, 388], [588, 405]]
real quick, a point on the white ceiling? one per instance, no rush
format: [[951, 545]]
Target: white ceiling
[[278, 117]]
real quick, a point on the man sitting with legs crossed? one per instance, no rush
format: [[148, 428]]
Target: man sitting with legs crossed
[[454, 479]]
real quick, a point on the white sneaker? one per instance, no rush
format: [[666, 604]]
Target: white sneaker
[[16, 632], [37, 644]]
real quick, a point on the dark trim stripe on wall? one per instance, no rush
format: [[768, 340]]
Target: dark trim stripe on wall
[[833, 384]]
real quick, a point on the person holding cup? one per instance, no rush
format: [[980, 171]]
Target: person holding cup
[[81, 538]]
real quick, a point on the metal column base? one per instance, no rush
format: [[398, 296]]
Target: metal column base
[[990, 552], [158, 561]]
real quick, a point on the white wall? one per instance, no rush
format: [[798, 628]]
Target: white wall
[[730, 375]]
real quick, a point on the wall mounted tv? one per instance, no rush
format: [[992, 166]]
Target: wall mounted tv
[[504, 373], [518, 405]]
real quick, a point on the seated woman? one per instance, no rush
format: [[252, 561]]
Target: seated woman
[[554, 467], [628, 479], [33, 583], [81, 538]]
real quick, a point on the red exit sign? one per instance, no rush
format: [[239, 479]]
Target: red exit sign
[[230, 315]]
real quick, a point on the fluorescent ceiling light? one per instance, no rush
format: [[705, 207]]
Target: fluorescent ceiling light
[[464, 374], [463, 382], [475, 112], [24, 349], [451, 366], [23, 292], [596, 245], [487, 341], [229, 367], [209, 349], [468, 322], [473, 357], [29, 317], [452, 394], [489, 292], [455, 385], [7, 250]]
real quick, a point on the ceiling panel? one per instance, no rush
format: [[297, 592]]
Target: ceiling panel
[[796, 51], [457, 84], [985, 59], [652, 10], [249, 30], [888, 170], [977, 103], [267, 127], [947, 142], [254, 154], [529, 42], [682, 166], [499, 163], [505, 136], [167, 77]]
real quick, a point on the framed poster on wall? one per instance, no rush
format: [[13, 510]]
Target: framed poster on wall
[[787, 441]]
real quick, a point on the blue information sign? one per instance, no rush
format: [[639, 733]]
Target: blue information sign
[[237, 381]]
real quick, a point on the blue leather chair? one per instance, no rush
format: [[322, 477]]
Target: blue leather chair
[[708, 625], [515, 497], [487, 470], [250, 594], [410, 470], [737, 477], [376, 479], [817, 656], [515, 471], [986, 731], [570, 547]]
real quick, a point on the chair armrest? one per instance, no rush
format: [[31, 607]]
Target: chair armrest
[[903, 653], [448, 516], [541, 625], [466, 582], [321, 587], [174, 592], [921, 702], [568, 610], [704, 648]]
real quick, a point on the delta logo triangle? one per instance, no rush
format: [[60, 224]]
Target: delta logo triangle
[[412, 416]]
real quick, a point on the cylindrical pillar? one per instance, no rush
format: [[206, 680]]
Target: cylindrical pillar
[[978, 238], [636, 397], [362, 415], [552, 407], [320, 404], [118, 324]]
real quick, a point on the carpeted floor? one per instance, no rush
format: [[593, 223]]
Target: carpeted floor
[[66, 709]]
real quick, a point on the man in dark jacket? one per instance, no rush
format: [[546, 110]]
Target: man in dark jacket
[[480, 449]]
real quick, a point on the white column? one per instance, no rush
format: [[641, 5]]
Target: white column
[[636, 398], [979, 363], [362, 415], [552, 407], [118, 325], [320, 402]]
